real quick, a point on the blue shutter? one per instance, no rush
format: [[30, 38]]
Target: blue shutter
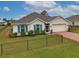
[[34, 27], [26, 28], [41, 27]]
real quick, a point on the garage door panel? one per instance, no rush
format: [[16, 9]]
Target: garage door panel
[[76, 23], [59, 28]]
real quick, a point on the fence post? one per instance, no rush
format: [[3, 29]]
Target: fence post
[[27, 45], [61, 38], [75, 28], [46, 41], [1, 49]]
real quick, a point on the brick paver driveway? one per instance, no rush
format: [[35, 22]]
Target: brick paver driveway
[[70, 35]]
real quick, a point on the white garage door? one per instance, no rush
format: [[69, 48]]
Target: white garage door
[[59, 28], [76, 23]]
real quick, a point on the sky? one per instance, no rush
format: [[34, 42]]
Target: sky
[[19, 9]]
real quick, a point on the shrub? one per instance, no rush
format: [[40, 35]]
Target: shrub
[[40, 33], [26, 33], [70, 28], [8, 24], [43, 32], [31, 33], [36, 32], [23, 34], [13, 35]]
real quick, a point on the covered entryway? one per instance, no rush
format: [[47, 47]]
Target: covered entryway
[[59, 27], [47, 27]]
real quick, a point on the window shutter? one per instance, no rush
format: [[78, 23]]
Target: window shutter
[[18, 28], [34, 27], [41, 27], [26, 28]]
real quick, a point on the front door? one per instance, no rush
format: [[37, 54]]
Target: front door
[[47, 27]]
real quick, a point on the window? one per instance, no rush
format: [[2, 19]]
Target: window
[[38, 27], [22, 28]]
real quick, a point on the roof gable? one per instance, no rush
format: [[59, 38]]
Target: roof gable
[[38, 19], [58, 20], [73, 18]]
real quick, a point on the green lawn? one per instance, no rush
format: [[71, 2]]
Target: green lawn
[[55, 48], [66, 50]]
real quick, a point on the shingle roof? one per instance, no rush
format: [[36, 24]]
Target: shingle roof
[[34, 16], [73, 18]]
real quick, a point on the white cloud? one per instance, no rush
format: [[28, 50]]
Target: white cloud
[[52, 7], [22, 15], [6, 8], [63, 11], [77, 2], [19, 16], [40, 4], [57, 9], [43, 4], [16, 18], [73, 7]]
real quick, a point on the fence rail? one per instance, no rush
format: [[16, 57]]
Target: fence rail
[[33, 43]]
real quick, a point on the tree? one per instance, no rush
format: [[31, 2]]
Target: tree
[[4, 19]]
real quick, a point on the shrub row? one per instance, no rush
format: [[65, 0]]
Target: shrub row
[[30, 33]]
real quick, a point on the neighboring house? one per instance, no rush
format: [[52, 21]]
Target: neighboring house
[[39, 22], [74, 20], [10, 21], [2, 22]]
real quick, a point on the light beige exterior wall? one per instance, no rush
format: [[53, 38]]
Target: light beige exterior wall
[[58, 24]]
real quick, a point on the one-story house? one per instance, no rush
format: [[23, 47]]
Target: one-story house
[[74, 20], [40, 22]]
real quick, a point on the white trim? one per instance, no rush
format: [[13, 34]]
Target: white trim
[[19, 23], [58, 24]]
